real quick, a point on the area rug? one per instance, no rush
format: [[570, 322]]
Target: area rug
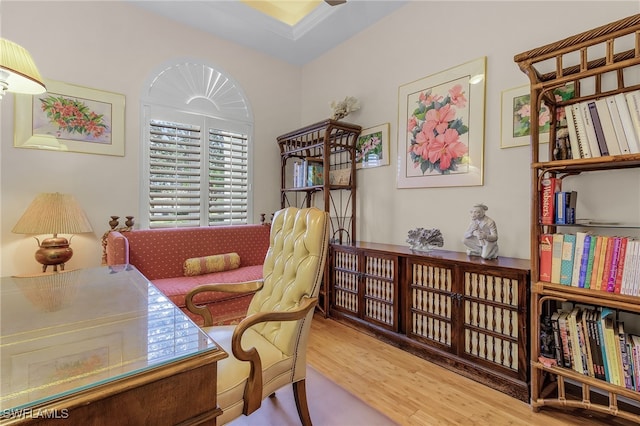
[[329, 405]]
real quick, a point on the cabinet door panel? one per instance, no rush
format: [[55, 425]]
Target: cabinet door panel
[[431, 300], [381, 290], [491, 318], [346, 277]]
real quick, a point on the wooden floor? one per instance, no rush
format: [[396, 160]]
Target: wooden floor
[[412, 391]]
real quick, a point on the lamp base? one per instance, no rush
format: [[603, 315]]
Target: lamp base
[[53, 251]]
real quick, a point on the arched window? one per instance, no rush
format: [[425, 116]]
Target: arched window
[[197, 126]]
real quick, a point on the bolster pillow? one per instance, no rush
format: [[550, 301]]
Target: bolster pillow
[[208, 264]]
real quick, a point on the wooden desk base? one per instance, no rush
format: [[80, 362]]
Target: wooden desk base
[[181, 394]]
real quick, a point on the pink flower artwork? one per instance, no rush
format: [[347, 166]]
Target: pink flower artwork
[[436, 128]]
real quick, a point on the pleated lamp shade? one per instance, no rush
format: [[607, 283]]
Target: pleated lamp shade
[[53, 213], [18, 72]]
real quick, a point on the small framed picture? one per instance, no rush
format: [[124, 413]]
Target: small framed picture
[[372, 147], [516, 115]]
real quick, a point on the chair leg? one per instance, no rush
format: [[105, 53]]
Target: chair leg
[[300, 395]]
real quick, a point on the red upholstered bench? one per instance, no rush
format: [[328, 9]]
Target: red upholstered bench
[[159, 254]]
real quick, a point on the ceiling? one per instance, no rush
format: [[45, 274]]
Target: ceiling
[[324, 28]]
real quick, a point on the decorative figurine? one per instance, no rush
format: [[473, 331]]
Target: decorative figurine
[[481, 238]]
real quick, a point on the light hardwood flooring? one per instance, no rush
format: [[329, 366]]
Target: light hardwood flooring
[[412, 391]]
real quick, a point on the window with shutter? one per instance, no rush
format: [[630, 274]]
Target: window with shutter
[[197, 153]]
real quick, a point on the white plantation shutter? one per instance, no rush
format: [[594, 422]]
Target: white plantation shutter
[[174, 174], [228, 181], [196, 178]]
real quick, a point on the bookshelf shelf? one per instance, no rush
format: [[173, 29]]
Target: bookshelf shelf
[[591, 164], [597, 225], [599, 65], [586, 296]]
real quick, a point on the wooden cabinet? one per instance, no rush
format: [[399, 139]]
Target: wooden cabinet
[[330, 147], [465, 313], [599, 63]]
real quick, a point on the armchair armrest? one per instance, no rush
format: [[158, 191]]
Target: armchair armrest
[[243, 287], [253, 390]]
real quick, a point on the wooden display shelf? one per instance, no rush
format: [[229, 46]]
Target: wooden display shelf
[[600, 63]]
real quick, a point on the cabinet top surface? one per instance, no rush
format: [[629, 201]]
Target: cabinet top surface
[[455, 256], [65, 332]]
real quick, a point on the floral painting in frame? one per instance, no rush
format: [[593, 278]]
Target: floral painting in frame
[[516, 115], [372, 147], [441, 128], [71, 118]]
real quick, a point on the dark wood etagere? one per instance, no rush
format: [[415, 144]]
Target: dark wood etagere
[[330, 144], [602, 62]]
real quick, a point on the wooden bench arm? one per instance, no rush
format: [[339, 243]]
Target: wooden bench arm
[[253, 390], [242, 287]]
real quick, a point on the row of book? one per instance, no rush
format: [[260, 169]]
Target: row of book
[[596, 262], [605, 126], [593, 342], [308, 172]]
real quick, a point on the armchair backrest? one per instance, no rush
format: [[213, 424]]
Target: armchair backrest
[[293, 268]]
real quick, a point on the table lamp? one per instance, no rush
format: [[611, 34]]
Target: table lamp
[[53, 213], [18, 72]]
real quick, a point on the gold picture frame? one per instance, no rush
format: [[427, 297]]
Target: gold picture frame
[[70, 118]]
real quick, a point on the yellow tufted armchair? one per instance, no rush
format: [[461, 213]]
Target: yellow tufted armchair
[[268, 348]]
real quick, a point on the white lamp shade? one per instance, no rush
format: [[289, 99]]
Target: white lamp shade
[[18, 72]]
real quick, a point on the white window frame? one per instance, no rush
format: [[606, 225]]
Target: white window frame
[[161, 104]]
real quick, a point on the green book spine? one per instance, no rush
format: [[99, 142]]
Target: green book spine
[[592, 248]]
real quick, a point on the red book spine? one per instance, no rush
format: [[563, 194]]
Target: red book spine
[[611, 283], [620, 269], [546, 243], [604, 284], [550, 186]]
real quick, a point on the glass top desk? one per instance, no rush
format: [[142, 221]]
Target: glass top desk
[[101, 346]]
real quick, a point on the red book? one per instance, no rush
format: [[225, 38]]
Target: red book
[[620, 269], [613, 272], [604, 283], [550, 185], [546, 243]]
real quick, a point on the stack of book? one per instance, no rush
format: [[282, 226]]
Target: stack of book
[[592, 342], [606, 126], [596, 262]]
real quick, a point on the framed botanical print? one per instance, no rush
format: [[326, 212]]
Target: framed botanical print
[[441, 128]]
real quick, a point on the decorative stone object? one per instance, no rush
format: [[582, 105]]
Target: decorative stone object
[[424, 240]]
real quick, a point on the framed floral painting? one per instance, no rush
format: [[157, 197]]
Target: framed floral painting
[[441, 128], [516, 115], [71, 118], [372, 147]]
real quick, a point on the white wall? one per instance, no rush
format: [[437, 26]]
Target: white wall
[[424, 38], [113, 46]]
